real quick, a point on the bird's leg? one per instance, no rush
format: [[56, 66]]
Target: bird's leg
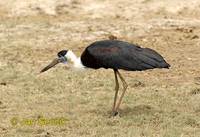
[[124, 89], [114, 112]]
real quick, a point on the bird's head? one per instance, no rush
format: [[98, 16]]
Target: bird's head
[[62, 58]]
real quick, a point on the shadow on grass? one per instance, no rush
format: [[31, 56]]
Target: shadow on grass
[[128, 111], [139, 110]]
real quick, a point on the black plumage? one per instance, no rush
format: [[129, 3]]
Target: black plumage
[[62, 53], [117, 54]]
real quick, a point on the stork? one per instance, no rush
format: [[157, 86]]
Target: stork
[[113, 54]]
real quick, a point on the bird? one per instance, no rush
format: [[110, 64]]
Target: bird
[[112, 54]]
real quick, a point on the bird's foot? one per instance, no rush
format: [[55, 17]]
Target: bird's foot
[[114, 113]]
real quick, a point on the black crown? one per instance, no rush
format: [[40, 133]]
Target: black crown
[[62, 53]]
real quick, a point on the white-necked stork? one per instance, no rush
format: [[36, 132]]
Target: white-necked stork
[[113, 54]]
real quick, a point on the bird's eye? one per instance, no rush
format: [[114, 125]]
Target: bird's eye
[[63, 59]]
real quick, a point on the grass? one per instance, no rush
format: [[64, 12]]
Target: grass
[[157, 103]]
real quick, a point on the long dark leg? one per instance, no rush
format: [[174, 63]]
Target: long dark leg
[[116, 92], [124, 89]]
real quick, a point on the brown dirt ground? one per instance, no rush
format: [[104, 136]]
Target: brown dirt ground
[[158, 103]]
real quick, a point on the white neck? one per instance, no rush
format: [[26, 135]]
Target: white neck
[[76, 61]]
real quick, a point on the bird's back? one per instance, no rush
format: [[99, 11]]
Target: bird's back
[[117, 54]]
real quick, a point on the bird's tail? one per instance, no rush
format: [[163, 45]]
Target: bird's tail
[[164, 64]]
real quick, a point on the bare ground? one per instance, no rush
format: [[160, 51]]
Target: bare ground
[[158, 103]]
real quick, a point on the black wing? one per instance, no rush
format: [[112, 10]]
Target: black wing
[[117, 54]]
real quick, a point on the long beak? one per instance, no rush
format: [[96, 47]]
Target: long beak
[[53, 63]]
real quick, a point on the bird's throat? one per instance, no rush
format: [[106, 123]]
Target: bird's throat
[[74, 61]]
